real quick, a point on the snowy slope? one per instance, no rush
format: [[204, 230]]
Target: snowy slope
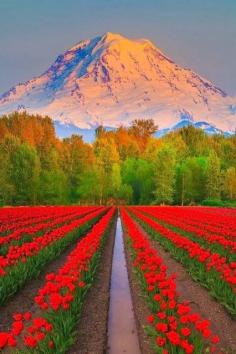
[[113, 80]]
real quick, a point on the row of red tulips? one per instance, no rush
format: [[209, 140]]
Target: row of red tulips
[[42, 224], [197, 229], [210, 269], [32, 227], [20, 214], [211, 220], [13, 218], [231, 212], [20, 253], [173, 325], [59, 300], [25, 262]]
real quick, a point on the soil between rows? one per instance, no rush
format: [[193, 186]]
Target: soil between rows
[[91, 332], [23, 300], [140, 306], [200, 299]]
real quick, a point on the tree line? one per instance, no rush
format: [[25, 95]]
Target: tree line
[[128, 165]]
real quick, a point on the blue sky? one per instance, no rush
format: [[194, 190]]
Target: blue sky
[[200, 34]]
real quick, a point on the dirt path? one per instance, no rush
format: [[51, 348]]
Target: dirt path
[[200, 300]]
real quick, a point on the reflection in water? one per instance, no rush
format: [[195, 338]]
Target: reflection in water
[[122, 333]]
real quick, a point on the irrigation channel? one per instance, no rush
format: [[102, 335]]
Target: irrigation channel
[[122, 332]]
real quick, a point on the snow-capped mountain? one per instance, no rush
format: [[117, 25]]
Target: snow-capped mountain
[[112, 80]]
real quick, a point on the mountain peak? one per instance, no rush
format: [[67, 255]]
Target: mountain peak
[[110, 37], [117, 79]]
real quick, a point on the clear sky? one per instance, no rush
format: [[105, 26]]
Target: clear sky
[[200, 34]]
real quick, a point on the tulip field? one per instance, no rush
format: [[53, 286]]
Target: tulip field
[[51, 258], [207, 251]]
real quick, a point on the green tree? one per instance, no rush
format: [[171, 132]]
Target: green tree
[[89, 189], [229, 186], [165, 175], [53, 185], [8, 146], [196, 140], [24, 174], [213, 174], [191, 180], [7, 189], [106, 156], [138, 173], [145, 172], [126, 194], [115, 181], [76, 158], [128, 173]]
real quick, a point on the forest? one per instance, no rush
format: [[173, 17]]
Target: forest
[[125, 166]]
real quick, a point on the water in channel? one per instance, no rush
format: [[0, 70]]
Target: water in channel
[[122, 332]]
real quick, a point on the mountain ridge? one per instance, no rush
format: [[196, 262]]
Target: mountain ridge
[[112, 80]]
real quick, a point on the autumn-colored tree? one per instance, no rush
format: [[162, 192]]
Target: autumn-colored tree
[[142, 130], [127, 145]]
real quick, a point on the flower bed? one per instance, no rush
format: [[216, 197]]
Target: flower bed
[[210, 269], [215, 236], [26, 262], [172, 324], [42, 224], [60, 299]]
